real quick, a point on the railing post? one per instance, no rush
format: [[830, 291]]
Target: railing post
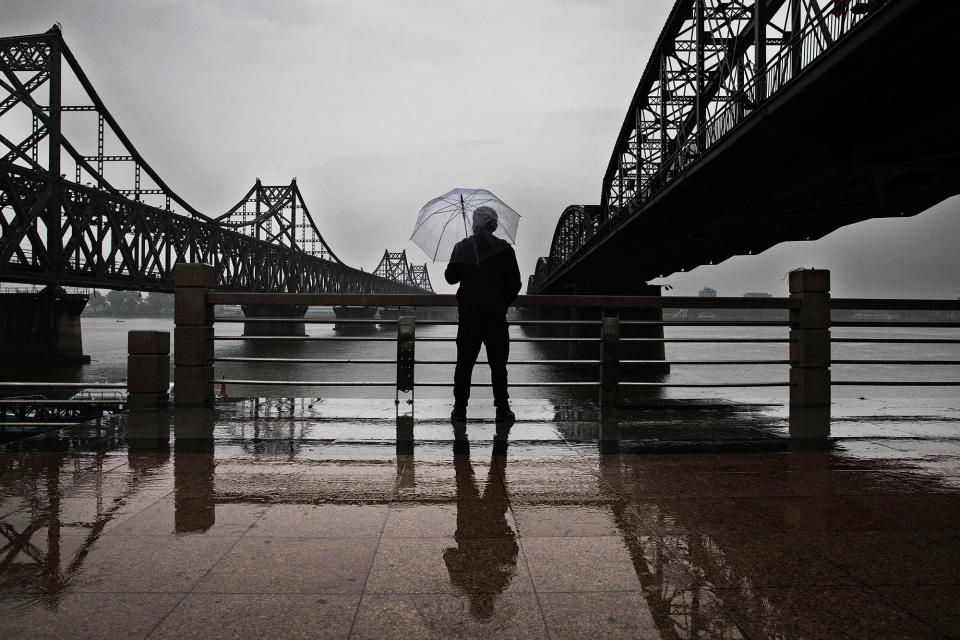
[[193, 335], [406, 341], [609, 357], [148, 369], [810, 354]]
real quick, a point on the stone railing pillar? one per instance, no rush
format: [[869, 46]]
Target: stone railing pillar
[[609, 357], [148, 369], [810, 354], [193, 335]]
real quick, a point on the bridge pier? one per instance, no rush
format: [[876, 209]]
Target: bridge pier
[[355, 313], [278, 328], [42, 327]]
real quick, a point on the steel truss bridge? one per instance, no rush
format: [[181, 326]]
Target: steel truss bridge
[[79, 205], [756, 123], [394, 266]]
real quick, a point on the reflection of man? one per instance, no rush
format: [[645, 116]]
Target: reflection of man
[[486, 268], [485, 559]]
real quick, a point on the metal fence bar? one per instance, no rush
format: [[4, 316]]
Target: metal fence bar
[[705, 384], [710, 340], [523, 362], [46, 401], [896, 340], [709, 323], [895, 323], [904, 383], [308, 360], [908, 362], [309, 383], [310, 338], [238, 320], [65, 385]]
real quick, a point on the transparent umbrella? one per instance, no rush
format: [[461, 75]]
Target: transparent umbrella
[[445, 221]]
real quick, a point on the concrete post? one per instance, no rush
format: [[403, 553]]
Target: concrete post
[[810, 354], [148, 369], [193, 335], [609, 358]]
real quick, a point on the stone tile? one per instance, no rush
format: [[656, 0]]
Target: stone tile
[[447, 480], [763, 483], [593, 615], [890, 557], [538, 520], [822, 613], [84, 615], [321, 521], [760, 559], [936, 605], [115, 563], [689, 515], [915, 512], [339, 485], [442, 616], [190, 516], [448, 565], [466, 519], [552, 480], [818, 513], [632, 614], [261, 615], [292, 565], [580, 564], [647, 484]]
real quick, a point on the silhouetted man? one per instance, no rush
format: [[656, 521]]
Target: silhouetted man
[[486, 268]]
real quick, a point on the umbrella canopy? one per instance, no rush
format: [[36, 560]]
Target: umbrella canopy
[[445, 221]]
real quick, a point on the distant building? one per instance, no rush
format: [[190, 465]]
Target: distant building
[[707, 292], [757, 294]]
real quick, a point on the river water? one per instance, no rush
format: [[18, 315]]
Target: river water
[[105, 341]]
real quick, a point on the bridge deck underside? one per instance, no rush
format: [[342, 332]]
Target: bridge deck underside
[[869, 131]]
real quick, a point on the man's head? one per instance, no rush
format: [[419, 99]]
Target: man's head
[[484, 220]]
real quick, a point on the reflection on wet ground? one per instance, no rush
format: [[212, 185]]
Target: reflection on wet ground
[[293, 519]]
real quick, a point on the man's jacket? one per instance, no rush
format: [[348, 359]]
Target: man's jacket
[[486, 268]]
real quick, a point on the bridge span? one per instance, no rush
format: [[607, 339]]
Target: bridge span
[[756, 123], [79, 205]]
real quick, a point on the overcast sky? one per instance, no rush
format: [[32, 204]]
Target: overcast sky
[[376, 107]]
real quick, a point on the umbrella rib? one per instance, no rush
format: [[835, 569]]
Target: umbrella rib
[[424, 221], [440, 239]]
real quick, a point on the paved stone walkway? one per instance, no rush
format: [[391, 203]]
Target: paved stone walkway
[[303, 523]]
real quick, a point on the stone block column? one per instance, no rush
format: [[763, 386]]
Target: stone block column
[[810, 354], [148, 369], [193, 335]]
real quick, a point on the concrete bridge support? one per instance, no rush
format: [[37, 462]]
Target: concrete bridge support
[[285, 328], [42, 327]]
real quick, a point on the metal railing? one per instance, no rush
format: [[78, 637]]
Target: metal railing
[[611, 330], [31, 408]]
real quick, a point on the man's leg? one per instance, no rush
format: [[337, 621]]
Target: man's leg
[[469, 338], [497, 340]]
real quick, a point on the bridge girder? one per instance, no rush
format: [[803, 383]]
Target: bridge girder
[[722, 68]]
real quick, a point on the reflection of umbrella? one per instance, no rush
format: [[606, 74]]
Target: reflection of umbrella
[[445, 221]]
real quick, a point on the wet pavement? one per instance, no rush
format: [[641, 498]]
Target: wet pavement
[[298, 519]]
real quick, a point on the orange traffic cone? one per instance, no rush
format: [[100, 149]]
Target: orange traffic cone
[[223, 389]]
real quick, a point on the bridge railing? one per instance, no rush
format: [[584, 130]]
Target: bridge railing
[[806, 313]]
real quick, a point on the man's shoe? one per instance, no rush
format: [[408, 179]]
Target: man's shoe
[[458, 413], [504, 414]]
